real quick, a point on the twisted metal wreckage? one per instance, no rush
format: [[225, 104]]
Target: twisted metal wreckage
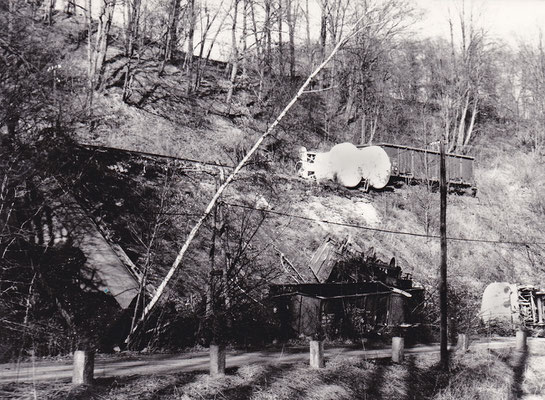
[[347, 292]]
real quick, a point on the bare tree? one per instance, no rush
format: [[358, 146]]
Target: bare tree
[[324, 6], [12, 9], [192, 21], [148, 238], [102, 37], [291, 18], [234, 55], [280, 22], [461, 99], [204, 33], [132, 24], [268, 35], [530, 80], [171, 35], [358, 82], [205, 14], [96, 54]]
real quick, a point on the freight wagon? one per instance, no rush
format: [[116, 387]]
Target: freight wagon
[[412, 164]]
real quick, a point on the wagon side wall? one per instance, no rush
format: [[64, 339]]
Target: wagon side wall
[[419, 164]]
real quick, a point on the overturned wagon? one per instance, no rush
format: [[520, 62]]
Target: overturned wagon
[[352, 295], [378, 166]]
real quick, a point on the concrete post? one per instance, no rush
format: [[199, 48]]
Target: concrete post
[[84, 366], [521, 340], [217, 360], [398, 349], [317, 354], [463, 342]]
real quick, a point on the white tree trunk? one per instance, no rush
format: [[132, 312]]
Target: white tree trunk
[[234, 57], [462, 122], [231, 177], [472, 123]]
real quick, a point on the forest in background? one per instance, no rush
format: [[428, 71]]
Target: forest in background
[[68, 78]]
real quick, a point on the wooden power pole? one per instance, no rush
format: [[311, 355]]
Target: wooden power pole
[[443, 280]]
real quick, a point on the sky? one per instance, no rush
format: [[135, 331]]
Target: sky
[[509, 20]]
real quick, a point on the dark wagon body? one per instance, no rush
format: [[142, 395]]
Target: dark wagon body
[[412, 163], [352, 295], [343, 309]]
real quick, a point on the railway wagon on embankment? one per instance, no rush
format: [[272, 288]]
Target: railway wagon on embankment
[[412, 164]]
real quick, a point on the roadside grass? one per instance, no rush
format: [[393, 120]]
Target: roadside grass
[[503, 374]]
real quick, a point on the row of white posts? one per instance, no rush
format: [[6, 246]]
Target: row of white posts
[[84, 360]]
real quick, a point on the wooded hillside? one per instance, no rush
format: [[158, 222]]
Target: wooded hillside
[[69, 78]]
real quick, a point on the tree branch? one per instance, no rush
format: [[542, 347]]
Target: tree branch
[[231, 177]]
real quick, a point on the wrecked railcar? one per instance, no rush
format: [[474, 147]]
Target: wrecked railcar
[[422, 165], [514, 305], [352, 295], [366, 166]]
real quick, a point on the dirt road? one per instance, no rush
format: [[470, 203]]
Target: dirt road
[[110, 366]]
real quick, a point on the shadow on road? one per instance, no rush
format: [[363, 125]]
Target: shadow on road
[[412, 377], [376, 379], [517, 361], [424, 383], [102, 387]]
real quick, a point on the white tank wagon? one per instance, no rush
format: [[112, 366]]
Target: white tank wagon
[[345, 163], [513, 304]]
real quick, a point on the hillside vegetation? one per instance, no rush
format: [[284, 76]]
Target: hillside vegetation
[[141, 92]]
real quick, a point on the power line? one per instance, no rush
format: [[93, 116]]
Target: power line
[[380, 230], [301, 217], [147, 154]]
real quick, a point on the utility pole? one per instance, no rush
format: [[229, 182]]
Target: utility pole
[[443, 280]]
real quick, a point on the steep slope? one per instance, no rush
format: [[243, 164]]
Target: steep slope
[[505, 209], [151, 206]]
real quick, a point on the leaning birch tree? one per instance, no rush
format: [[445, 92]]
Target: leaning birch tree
[[211, 205]]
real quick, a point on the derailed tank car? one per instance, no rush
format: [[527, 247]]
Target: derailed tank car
[[376, 166], [513, 305], [353, 295]]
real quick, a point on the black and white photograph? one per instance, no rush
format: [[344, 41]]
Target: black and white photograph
[[272, 199]]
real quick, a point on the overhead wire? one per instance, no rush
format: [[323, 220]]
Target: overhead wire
[[148, 154], [381, 230], [324, 221]]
